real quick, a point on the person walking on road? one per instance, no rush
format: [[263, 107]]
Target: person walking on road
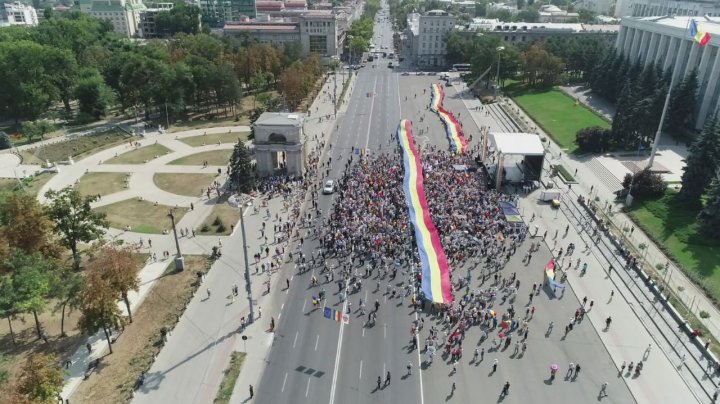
[[208, 293], [379, 382], [387, 378], [252, 391], [495, 364], [603, 390], [505, 390], [607, 322], [409, 368]]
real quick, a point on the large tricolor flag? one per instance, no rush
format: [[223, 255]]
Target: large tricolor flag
[[701, 37], [435, 270]]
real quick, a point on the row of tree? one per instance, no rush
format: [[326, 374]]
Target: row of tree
[[34, 276], [539, 64], [78, 58]]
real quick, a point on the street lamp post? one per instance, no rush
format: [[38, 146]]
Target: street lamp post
[[179, 260], [497, 75], [251, 315]]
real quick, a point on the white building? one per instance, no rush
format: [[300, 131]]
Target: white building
[[551, 13], [602, 7], [17, 14], [426, 37], [653, 8], [123, 14], [664, 40], [495, 7], [526, 32]]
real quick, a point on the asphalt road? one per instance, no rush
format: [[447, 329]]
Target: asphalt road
[[318, 360]]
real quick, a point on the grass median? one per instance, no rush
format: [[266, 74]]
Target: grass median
[[140, 155], [230, 376]]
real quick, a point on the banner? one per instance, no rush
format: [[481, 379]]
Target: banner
[[336, 315], [435, 271], [452, 126]]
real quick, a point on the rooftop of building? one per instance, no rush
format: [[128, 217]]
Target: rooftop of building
[[280, 119], [711, 25], [437, 13], [260, 27], [483, 24]]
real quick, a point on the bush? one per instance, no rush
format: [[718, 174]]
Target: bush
[[704, 314], [593, 140], [205, 228], [221, 228], [645, 184], [4, 141], [217, 221]]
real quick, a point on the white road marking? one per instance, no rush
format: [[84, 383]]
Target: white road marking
[[295, 340], [284, 380], [316, 341], [361, 369], [385, 330], [372, 105], [304, 304], [307, 389], [337, 353]]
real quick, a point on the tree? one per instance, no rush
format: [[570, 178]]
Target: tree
[[118, 267], [29, 276], [241, 171], [35, 129], [701, 163], [530, 15], [25, 224], [98, 307], [65, 286], [181, 18], [586, 16], [709, 217], [540, 67], [683, 100], [259, 80], [5, 142], [645, 184], [93, 95], [75, 221], [7, 303], [593, 140], [41, 378]]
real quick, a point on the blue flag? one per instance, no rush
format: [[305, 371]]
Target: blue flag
[[327, 312]]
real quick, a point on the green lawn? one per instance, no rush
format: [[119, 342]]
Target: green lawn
[[183, 184], [213, 158], [214, 138], [557, 115], [671, 223], [101, 183], [141, 155], [32, 184], [141, 216], [77, 147]]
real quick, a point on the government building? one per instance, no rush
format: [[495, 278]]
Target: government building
[[665, 40]]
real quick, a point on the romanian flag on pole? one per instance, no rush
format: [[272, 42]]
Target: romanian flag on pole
[[701, 37]]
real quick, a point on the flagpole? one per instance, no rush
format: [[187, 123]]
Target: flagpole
[[680, 56]]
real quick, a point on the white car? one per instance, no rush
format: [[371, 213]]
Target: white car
[[329, 187]]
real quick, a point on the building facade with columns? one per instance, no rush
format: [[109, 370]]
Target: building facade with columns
[[664, 40]]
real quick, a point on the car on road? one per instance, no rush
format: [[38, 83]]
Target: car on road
[[329, 187], [405, 74], [420, 73]]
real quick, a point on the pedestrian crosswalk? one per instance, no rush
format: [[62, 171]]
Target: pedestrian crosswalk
[[604, 175]]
